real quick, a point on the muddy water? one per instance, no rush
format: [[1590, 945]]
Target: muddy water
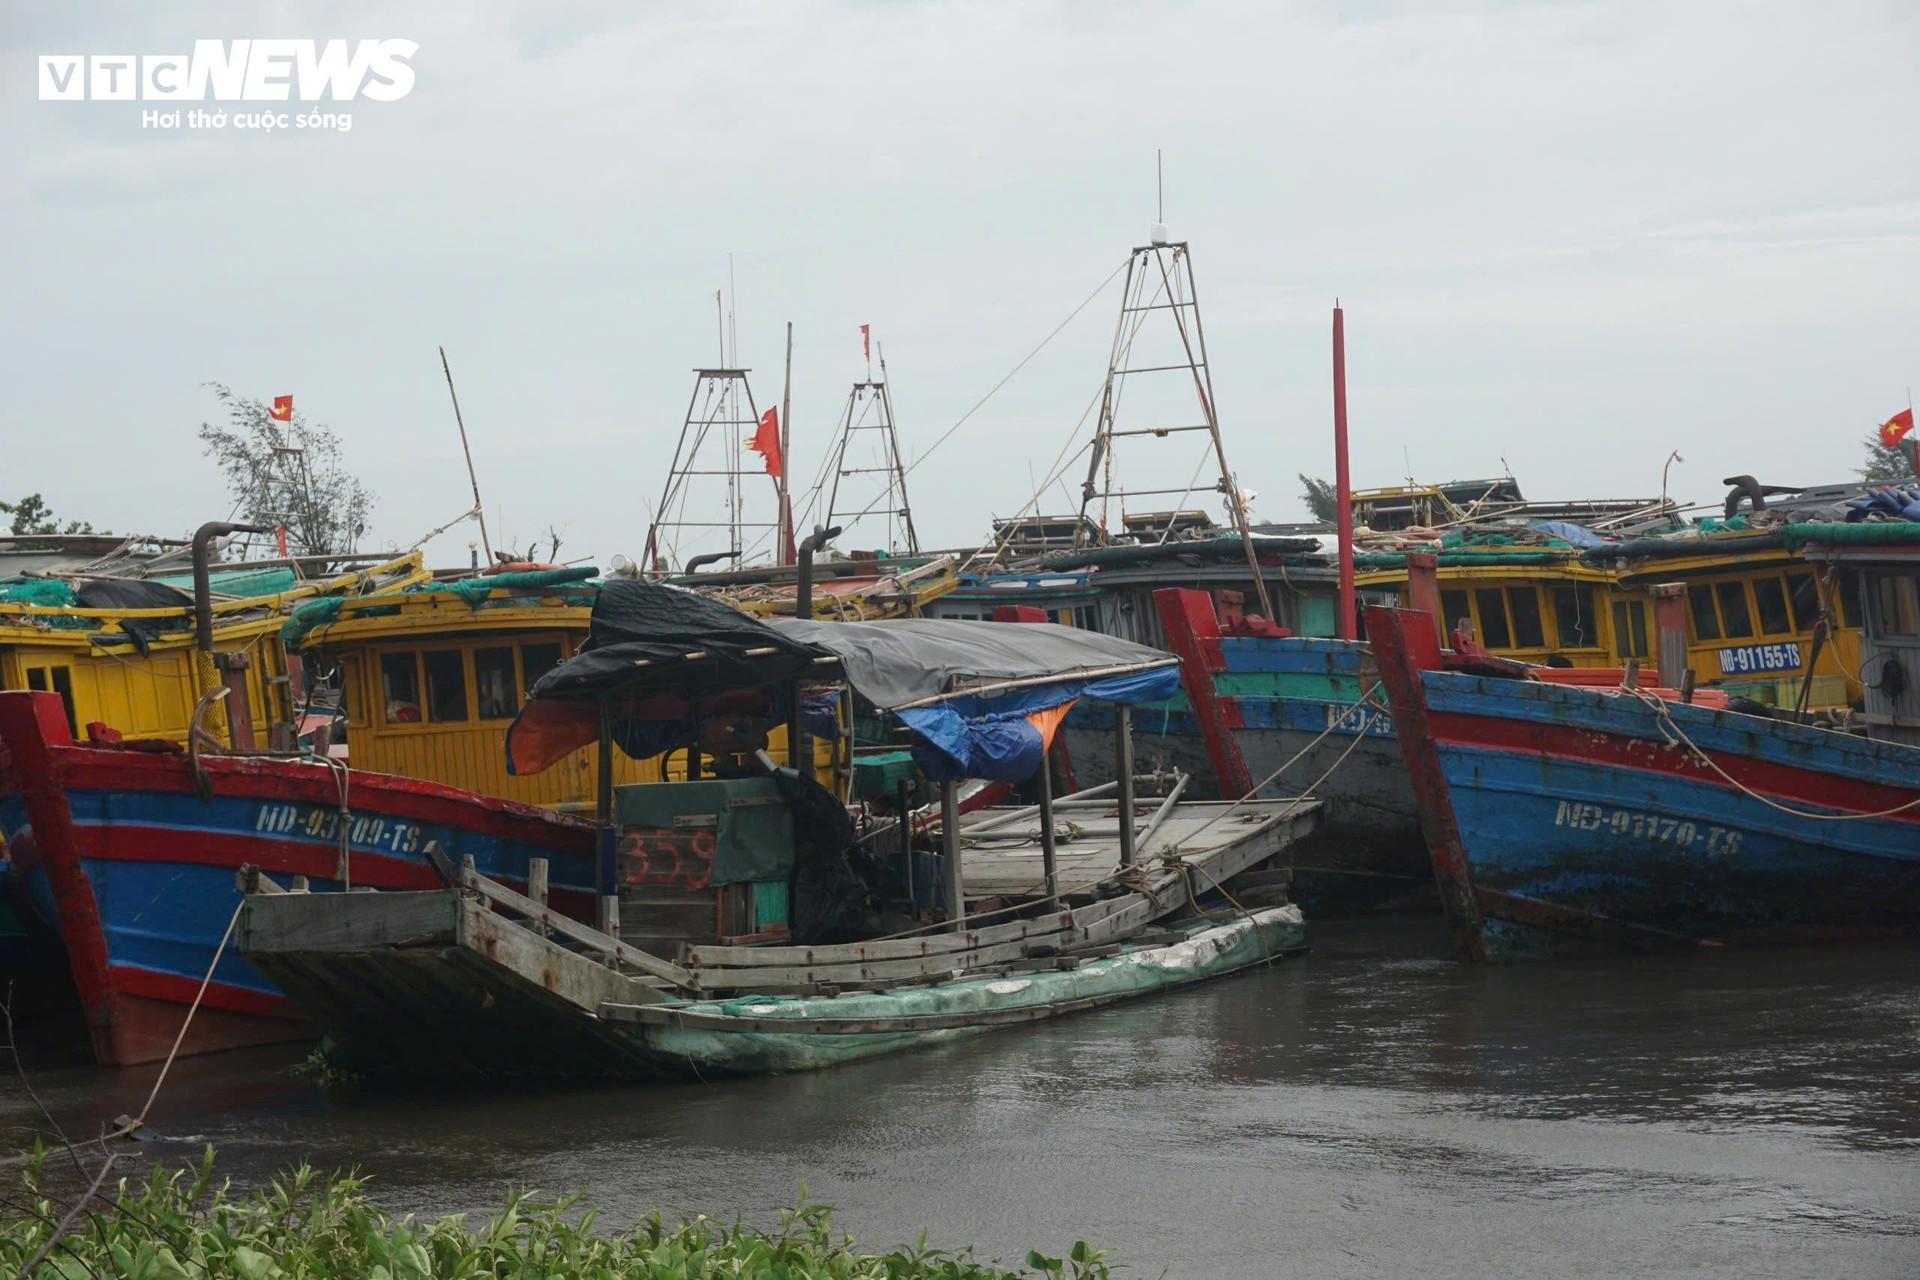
[[1368, 1110]]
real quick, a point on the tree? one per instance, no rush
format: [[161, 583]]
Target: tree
[[333, 515], [31, 515], [1321, 500], [1885, 465]]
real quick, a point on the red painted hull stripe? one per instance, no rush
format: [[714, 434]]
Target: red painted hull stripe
[[1782, 782]]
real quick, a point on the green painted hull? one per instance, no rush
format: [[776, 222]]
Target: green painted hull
[[1224, 946]]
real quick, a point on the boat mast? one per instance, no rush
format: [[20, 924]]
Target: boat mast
[[1159, 285], [713, 420], [870, 409]]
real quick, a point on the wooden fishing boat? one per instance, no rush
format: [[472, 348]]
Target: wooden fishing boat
[[1561, 816], [747, 878], [133, 847], [451, 984]]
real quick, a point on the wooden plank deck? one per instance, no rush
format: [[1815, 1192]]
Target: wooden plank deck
[[1244, 838], [1007, 861]]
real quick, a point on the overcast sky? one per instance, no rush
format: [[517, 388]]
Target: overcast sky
[[1569, 239]]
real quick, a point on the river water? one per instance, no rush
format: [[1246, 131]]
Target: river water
[[1370, 1109]]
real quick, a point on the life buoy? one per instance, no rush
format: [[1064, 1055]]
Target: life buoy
[[517, 566]]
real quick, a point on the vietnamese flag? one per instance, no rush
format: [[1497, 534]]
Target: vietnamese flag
[[766, 440], [1895, 427], [282, 410]]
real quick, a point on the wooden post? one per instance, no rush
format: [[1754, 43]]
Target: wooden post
[[233, 674], [1047, 850], [1670, 631], [950, 849], [1123, 767], [1423, 589], [1192, 628], [1342, 481], [603, 878], [1404, 645], [537, 887], [783, 537], [902, 805]]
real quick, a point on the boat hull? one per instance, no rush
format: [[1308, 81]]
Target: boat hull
[[1582, 819], [114, 854], [430, 986], [1289, 699]]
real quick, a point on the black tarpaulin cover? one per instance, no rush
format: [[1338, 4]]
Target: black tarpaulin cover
[[637, 622], [642, 632], [128, 593]]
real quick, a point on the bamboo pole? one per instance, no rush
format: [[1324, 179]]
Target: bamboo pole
[[478, 513]]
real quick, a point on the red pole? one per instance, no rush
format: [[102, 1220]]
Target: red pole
[[1342, 482]]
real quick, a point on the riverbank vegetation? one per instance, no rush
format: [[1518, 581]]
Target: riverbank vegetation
[[185, 1223]]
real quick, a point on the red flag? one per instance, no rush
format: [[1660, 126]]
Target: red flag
[[282, 410], [866, 342], [766, 440], [280, 540], [1895, 427]]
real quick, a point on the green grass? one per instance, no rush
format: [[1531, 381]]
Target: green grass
[[182, 1224]]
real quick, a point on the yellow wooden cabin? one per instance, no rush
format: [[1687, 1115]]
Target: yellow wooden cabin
[[138, 670], [1751, 612], [430, 680], [1750, 615], [1533, 612]]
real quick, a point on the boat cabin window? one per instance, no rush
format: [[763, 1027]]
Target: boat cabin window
[[1804, 593], [1524, 604], [1735, 622], [400, 686], [1630, 628], [446, 685], [62, 684], [1770, 602], [1573, 618], [538, 659], [1454, 605], [1893, 597], [1494, 632], [494, 691], [1706, 623]]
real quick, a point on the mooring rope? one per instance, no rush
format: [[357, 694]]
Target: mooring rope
[[1676, 736]]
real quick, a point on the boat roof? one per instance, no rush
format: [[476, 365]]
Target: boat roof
[[648, 637], [249, 597], [539, 599]]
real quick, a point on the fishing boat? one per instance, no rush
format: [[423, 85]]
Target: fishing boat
[[132, 790], [1560, 816], [742, 900], [460, 983], [137, 843]]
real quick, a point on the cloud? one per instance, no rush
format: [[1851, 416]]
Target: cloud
[[1578, 235]]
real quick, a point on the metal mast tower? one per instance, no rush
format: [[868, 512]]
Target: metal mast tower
[[721, 418], [285, 499], [872, 400], [1160, 288]]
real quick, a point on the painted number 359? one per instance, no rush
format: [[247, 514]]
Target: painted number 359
[[1718, 841]]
